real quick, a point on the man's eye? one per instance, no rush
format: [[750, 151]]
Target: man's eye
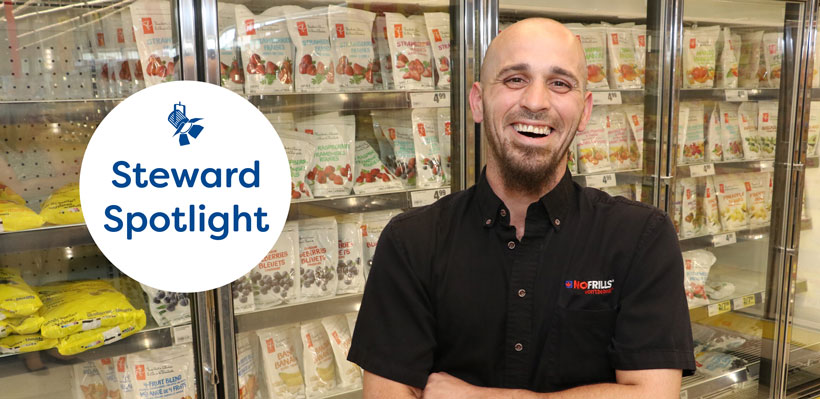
[[515, 82], [560, 86]]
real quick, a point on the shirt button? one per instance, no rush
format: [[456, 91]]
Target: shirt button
[[557, 222], [519, 347], [503, 212], [511, 245], [522, 293], [488, 222]]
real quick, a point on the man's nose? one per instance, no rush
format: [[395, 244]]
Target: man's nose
[[536, 97]]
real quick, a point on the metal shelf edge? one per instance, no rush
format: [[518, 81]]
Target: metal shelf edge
[[297, 312]]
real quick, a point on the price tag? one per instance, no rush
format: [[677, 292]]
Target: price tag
[[767, 166], [743, 302], [606, 97], [601, 181], [718, 308], [427, 197], [429, 100], [707, 169], [724, 239], [182, 334], [737, 95]]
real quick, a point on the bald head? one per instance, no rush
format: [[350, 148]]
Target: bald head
[[539, 34]]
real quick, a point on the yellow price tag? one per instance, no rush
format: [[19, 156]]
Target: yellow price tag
[[718, 308], [744, 301]]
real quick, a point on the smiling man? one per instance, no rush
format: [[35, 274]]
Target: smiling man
[[526, 285]]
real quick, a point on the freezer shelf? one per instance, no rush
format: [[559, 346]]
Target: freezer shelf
[[734, 95], [610, 178], [350, 101], [723, 168], [293, 313], [724, 238]]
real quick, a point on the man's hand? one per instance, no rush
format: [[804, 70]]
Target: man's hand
[[445, 386]]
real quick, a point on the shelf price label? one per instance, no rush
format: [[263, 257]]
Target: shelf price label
[[606, 97], [718, 308], [720, 240], [182, 334], [707, 169], [601, 181], [737, 95], [429, 100], [743, 302], [427, 197]]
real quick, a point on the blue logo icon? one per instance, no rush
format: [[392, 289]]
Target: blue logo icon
[[185, 127], [568, 284]]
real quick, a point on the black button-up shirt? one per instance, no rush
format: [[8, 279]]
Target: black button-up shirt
[[595, 285]]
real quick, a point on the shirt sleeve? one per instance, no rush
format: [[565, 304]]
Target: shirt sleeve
[[394, 335], [652, 329]]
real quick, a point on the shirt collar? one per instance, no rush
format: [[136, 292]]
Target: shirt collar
[[556, 202]]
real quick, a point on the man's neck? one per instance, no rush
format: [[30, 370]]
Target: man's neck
[[517, 202]]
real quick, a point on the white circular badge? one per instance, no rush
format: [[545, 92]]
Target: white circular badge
[[185, 186]]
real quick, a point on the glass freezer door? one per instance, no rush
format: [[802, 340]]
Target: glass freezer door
[[64, 65], [360, 93]]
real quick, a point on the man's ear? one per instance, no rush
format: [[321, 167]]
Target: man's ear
[[587, 111], [476, 103]]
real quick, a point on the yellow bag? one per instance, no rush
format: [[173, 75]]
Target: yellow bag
[[74, 306], [28, 325], [17, 299], [7, 194], [25, 343], [63, 206], [85, 340], [16, 217]]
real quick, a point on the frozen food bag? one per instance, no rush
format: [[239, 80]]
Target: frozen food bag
[[20, 326], [275, 278], [699, 56], [593, 148], [731, 195], [385, 57], [815, 75], [132, 68], [331, 173], [300, 158], [410, 52], [319, 253], [726, 70], [758, 200], [747, 122], [63, 206], [17, 299], [710, 207], [280, 361], [246, 368], [623, 63], [351, 38], [242, 293], [773, 57], [114, 48], [267, 51], [639, 35], [320, 372], [714, 143], [340, 337], [572, 156], [371, 174], [717, 363], [163, 373], [730, 132], [89, 339], [749, 62], [7, 194], [683, 121], [676, 210], [124, 378], [14, 344], [814, 129], [87, 382], [231, 72], [351, 321], [373, 223], [154, 27], [696, 266], [438, 31], [593, 40], [634, 119], [309, 32], [168, 308], [108, 373], [767, 128], [618, 139], [428, 153], [694, 144], [75, 306], [96, 35], [690, 223], [351, 245], [444, 138], [397, 130]]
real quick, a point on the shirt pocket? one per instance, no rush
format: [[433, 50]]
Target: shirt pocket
[[584, 339]]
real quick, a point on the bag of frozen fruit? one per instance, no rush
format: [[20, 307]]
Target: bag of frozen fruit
[[593, 40], [696, 265], [349, 268], [398, 131], [410, 52], [699, 56], [373, 223], [749, 61], [385, 57], [154, 25], [280, 358], [444, 138], [623, 64], [275, 279], [726, 70], [757, 202], [767, 128], [168, 369], [773, 56], [246, 369], [320, 372], [242, 293], [88, 383], [371, 174], [351, 37], [730, 133], [318, 255], [814, 128], [309, 32], [694, 143], [331, 173], [714, 144], [747, 123], [618, 138], [593, 150], [340, 337], [300, 157], [438, 31], [428, 153], [731, 195], [231, 73], [168, 308], [710, 207], [267, 51]]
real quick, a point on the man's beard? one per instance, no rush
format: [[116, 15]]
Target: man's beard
[[530, 172]]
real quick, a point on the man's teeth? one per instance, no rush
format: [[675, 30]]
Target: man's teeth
[[543, 130]]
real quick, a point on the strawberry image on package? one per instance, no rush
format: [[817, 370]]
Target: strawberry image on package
[[331, 173], [309, 32], [131, 69], [428, 153], [300, 157], [154, 27], [231, 73], [410, 50], [267, 51], [438, 31], [371, 174], [351, 33], [383, 49]]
